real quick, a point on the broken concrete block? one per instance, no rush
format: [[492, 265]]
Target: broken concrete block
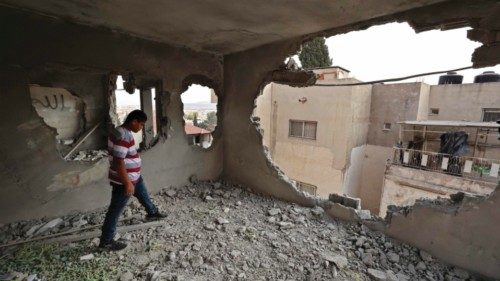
[[127, 276], [50, 225], [32, 277], [339, 211], [364, 214], [210, 227], [80, 223], [87, 257], [391, 276], [171, 193], [345, 200], [32, 230], [393, 257], [377, 275], [339, 261], [285, 225], [317, 211], [421, 266], [425, 256], [274, 212], [222, 221]]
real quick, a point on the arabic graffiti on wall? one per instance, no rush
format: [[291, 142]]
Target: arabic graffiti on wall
[[55, 102]]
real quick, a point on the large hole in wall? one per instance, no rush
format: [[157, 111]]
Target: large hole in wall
[[126, 103], [296, 125], [200, 115], [140, 99], [65, 113], [344, 139]]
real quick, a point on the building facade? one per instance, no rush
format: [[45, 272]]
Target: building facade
[[310, 132], [340, 139]]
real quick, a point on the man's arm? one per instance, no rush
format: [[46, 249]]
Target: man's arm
[[119, 164]]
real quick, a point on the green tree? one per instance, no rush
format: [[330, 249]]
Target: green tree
[[315, 54], [191, 115], [195, 119], [210, 122]]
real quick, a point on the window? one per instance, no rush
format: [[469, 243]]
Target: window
[[434, 111], [387, 126], [303, 129], [491, 114], [309, 188], [200, 114]]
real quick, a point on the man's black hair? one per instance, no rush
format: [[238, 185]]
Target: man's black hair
[[138, 115]]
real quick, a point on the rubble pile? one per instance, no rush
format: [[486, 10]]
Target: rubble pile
[[217, 231], [89, 155]]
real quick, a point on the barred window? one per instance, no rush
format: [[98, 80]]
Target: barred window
[[309, 188], [303, 129], [491, 114]]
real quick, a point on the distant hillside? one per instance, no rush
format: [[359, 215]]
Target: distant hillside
[[204, 105]]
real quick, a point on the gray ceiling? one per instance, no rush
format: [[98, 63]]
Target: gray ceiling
[[222, 26]]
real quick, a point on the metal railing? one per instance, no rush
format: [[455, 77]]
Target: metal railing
[[468, 167]]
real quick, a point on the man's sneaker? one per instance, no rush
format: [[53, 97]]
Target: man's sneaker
[[155, 216], [113, 245]]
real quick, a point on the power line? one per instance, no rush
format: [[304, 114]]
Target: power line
[[394, 79]]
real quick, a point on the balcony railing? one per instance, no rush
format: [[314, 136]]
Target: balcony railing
[[474, 168]]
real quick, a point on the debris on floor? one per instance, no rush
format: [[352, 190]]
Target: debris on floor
[[89, 155], [233, 235]]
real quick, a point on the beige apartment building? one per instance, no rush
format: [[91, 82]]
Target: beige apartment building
[[310, 132], [341, 139]]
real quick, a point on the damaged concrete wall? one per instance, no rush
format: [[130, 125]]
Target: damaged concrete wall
[[245, 160], [403, 186], [60, 110], [35, 181], [90, 88], [464, 233]]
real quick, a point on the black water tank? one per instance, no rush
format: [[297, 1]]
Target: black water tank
[[450, 78], [487, 76]]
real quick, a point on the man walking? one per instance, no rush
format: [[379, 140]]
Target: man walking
[[125, 178]]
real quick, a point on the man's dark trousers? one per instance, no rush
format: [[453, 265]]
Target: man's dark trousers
[[118, 202]]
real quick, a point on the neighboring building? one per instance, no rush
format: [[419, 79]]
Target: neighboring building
[[310, 132], [198, 136], [339, 139], [428, 169]]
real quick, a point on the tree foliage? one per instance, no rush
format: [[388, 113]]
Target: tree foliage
[[315, 54], [210, 122]]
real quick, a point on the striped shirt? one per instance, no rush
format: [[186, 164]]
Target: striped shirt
[[121, 145]]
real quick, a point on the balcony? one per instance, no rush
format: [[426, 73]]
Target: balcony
[[473, 168]]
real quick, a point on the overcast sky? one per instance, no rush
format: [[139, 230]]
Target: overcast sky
[[394, 50], [389, 51]]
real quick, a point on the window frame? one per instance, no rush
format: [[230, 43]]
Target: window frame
[[302, 136], [489, 110], [385, 128], [303, 186], [434, 109]]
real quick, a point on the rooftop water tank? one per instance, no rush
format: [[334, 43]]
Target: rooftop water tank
[[487, 76], [450, 78]]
